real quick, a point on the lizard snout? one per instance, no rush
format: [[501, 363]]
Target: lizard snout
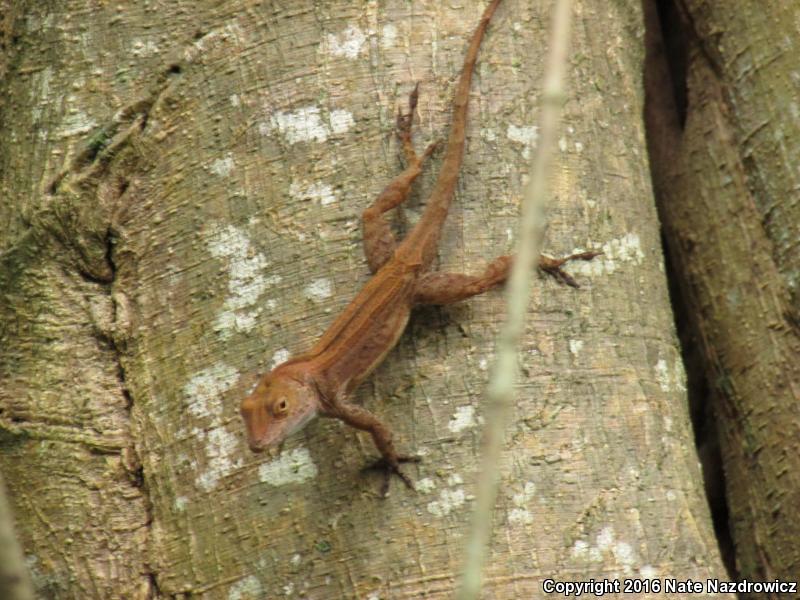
[[256, 446], [256, 421]]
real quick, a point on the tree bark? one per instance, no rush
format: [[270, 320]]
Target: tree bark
[[727, 183], [184, 192]]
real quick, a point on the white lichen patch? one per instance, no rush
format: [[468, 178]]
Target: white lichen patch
[[221, 450], [464, 418], [290, 467], [222, 167], [246, 281], [388, 35], [319, 289], [670, 380], [520, 516], [625, 249], [316, 192], [575, 347], [347, 43], [307, 124], [454, 479], [249, 588], [425, 485], [40, 91], [595, 554], [667, 421], [628, 248], [648, 572], [625, 555], [605, 538], [662, 375], [527, 136], [524, 497], [280, 356], [679, 375], [302, 125], [449, 500], [605, 543], [203, 394], [204, 390], [77, 122], [580, 549], [341, 121], [144, 48]]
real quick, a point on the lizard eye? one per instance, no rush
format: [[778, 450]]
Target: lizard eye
[[281, 407]]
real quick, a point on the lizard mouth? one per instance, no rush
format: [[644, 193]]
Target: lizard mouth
[[265, 447], [257, 447]]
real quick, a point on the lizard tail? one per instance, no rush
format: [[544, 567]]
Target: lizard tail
[[444, 188], [455, 143], [451, 163]]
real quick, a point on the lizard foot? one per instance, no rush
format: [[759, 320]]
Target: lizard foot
[[403, 124], [392, 467], [552, 266]]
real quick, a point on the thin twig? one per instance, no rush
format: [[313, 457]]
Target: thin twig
[[500, 394]]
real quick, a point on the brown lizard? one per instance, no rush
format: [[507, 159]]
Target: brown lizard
[[321, 381]]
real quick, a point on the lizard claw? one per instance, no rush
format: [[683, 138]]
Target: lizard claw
[[413, 98], [431, 148], [403, 125], [392, 467], [552, 266]]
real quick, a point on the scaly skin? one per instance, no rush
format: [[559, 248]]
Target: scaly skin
[[321, 381]]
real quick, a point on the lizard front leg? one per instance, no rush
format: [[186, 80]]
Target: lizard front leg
[[447, 288], [379, 242], [361, 418]]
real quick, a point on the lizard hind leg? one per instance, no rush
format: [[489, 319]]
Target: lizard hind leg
[[379, 241]]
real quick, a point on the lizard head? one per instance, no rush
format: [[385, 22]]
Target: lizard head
[[276, 408]]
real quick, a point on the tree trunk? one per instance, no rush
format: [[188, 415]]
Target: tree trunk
[[725, 165], [184, 194]]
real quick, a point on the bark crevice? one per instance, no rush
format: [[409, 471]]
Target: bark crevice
[[734, 302], [666, 71]]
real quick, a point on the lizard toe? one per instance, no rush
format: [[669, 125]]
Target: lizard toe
[[392, 467]]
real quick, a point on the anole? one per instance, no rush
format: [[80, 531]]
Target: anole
[[321, 381]]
